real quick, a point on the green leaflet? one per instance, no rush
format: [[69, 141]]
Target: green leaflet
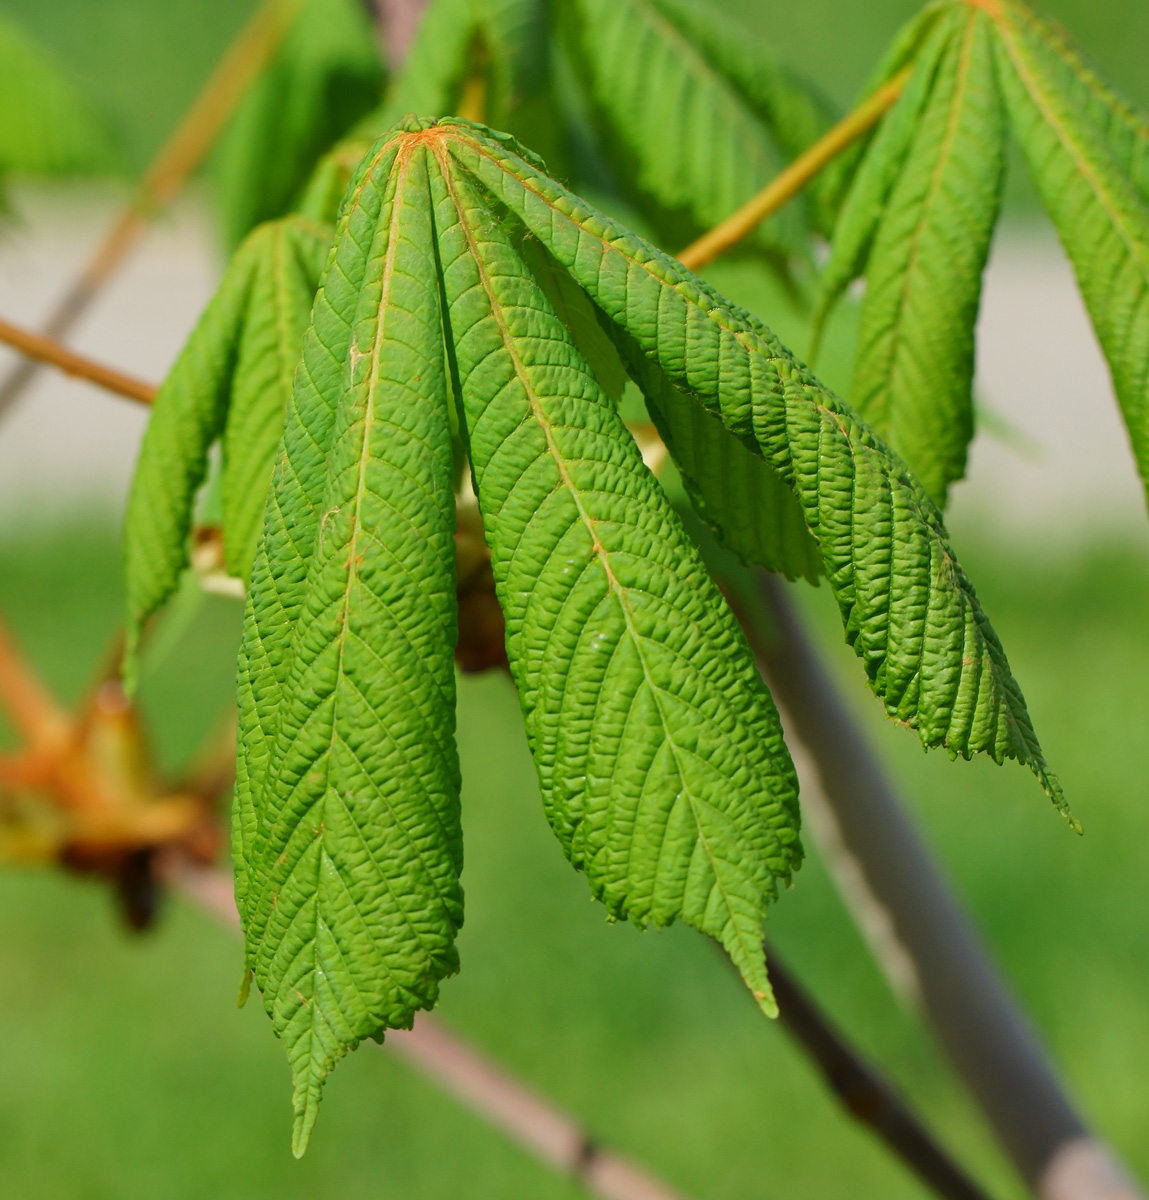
[[325, 76], [187, 418], [231, 381], [735, 491], [878, 172], [1121, 127], [48, 126], [293, 253], [351, 898], [685, 136], [279, 571], [794, 111], [908, 609], [914, 375], [659, 752], [1101, 218]]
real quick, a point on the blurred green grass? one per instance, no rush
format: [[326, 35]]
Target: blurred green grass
[[129, 1072]]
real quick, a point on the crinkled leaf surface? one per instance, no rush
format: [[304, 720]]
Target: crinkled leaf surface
[[349, 839], [915, 358], [231, 381], [1101, 216], [908, 608], [659, 752]]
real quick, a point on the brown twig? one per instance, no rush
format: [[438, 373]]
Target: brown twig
[[38, 347], [990, 1042], [166, 175], [487, 1089], [863, 1093], [795, 177]]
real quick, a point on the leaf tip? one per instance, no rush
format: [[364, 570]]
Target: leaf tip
[[306, 1112], [766, 1002]]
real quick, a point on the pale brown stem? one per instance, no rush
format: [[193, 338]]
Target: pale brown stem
[[167, 174], [795, 177], [39, 348], [537, 1126], [398, 22]]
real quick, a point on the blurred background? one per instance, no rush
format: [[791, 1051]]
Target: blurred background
[[129, 1072]]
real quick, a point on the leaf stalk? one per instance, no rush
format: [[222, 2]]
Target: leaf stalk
[[781, 190], [40, 349]]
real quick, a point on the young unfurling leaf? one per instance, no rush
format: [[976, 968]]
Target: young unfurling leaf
[[462, 275], [914, 376], [231, 381]]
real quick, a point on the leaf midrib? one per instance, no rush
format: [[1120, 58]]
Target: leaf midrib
[[945, 153], [598, 548], [1070, 144], [751, 343]]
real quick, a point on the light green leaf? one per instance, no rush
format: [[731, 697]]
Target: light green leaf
[[875, 178], [793, 109], [232, 382], [352, 896], [325, 76], [48, 127], [683, 135], [1122, 127], [914, 375], [659, 751], [908, 608], [187, 418], [292, 254], [1101, 218]]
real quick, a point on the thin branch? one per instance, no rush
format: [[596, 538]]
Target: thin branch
[[43, 349], [167, 174], [864, 1093], [552, 1136], [795, 177], [398, 22], [990, 1042]]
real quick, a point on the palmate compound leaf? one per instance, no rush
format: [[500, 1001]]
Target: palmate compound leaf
[[659, 752], [348, 841], [1101, 215], [913, 380], [324, 77], [658, 749], [908, 608], [232, 381], [687, 138]]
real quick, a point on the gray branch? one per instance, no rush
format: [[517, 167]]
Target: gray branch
[[964, 997]]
